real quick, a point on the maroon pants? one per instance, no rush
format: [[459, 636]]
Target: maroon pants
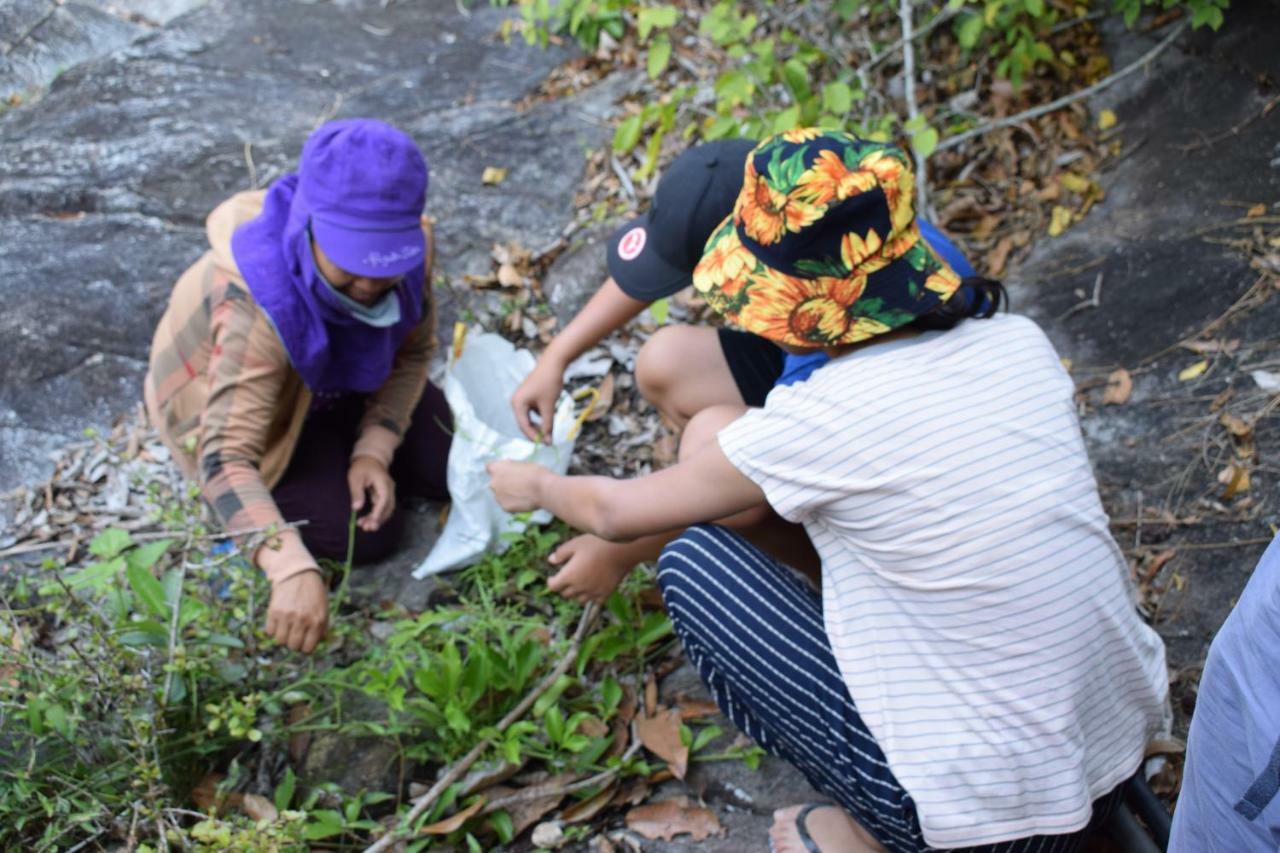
[[314, 487]]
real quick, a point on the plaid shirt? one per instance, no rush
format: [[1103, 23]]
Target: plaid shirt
[[227, 402]]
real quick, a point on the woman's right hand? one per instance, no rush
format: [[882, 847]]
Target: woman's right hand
[[299, 611], [538, 393]]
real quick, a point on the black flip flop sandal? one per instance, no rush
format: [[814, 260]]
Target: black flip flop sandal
[[807, 840]]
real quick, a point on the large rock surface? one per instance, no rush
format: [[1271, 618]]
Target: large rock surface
[[105, 180], [1198, 153]]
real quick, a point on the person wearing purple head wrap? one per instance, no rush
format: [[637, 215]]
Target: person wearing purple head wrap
[[288, 375]]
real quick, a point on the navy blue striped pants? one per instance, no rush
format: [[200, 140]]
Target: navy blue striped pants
[[753, 628]]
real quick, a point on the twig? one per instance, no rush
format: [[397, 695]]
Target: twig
[[1205, 142], [1052, 106], [1215, 546], [173, 630], [538, 792], [154, 536], [1094, 301], [456, 772], [898, 45], [248, 161], [627, 187], [905, 14]]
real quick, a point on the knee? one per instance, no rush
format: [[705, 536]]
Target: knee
[[658, 365], [704, 426]]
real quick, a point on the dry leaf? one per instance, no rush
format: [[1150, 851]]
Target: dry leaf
[[650, 695], [1059, 220], [259, 807], [1256, 210], [1236, 426], [590, 807], [669, 818], [1266, 380], [450, 824], [206, 797], [605, 399], [1165, 746], [493, 175], [1076, 183], [593, 727], [1158, 562], [548, 835], [660, 734], [692, 709], [999, 256], [1119, 387], [1194, 371], [509, 276], [1211, 347], [1106, 120], [1236, 479]]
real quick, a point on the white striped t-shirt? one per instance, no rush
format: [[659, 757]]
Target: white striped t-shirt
[[978, 608]]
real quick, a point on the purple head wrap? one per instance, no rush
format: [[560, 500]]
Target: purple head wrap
[[360, 189]]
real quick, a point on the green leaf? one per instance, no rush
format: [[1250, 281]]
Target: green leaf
[[548, 700], [474, 846], [705, 736], [109, 543], [786, 120], [627, 134], [735, 88], [652, 18], [925, 142], [324, 823], [659, 56], [554, 721], [837, 97], [656, 626], [500, 823], [224, 640], [796, 77], [158, 637], [1034, 7], [284, 791], [610, 694], [457, 717], [146, 556], [148, 589], [93, 576], [968, 29], [659, 309]]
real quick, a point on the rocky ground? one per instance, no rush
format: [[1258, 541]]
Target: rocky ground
[[163, 108]]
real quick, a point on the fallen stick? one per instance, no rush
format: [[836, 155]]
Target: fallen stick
[[1052, 106], [537, 792], [454, 773]]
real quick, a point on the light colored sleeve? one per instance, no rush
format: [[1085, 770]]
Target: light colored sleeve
[[788, 449]]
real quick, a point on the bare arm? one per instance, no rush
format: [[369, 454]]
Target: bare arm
[[609, 309], [704, 487]]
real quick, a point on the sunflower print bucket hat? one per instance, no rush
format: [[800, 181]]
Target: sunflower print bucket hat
[[823, 248]]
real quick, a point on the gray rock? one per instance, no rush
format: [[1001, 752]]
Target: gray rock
[[105, 180], [355, 763], [576, 275]]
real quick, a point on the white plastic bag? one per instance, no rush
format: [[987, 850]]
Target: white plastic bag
[[478, 385]]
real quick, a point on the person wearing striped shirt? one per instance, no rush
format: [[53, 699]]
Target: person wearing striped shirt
[[969, 671]]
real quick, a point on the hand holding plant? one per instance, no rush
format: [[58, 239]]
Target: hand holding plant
[[590, 568], [299, 611], [516, 485], [538, 393], [368, 475]]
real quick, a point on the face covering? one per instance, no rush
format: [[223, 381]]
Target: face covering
[[381, 314]]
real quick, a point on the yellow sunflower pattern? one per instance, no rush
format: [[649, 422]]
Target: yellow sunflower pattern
[[840, 285]]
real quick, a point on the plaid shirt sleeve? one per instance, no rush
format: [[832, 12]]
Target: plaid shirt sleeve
[[246, 374]]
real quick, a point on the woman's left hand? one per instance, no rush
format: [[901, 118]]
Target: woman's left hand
[[515, 484], [368, 475]]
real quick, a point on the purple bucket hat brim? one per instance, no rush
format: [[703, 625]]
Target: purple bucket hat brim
[[373, 252]]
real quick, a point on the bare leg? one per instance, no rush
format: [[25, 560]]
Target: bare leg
[[681, 370]]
